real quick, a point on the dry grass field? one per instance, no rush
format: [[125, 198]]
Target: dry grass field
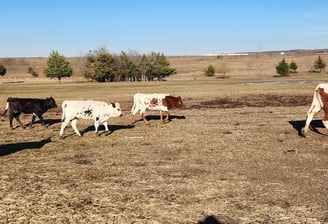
[[232, 155]]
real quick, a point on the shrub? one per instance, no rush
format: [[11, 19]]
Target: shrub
[[32, 72], [210, 71], [293, 67], [3, 70]]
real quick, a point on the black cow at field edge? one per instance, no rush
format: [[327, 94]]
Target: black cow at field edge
[[36, 107]]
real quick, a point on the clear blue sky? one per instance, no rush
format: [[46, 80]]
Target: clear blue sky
[[33, 28]]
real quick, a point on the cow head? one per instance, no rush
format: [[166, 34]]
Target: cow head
[[116, 111], [173, 102], [51, 103], [180, 103]]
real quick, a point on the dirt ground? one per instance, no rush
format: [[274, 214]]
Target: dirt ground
[[221, 160]]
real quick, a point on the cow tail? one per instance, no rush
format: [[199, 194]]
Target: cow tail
[[64, 112], [7, 106], [134, 105]]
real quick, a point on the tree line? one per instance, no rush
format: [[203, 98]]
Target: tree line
[[102, 66], [105, 67]]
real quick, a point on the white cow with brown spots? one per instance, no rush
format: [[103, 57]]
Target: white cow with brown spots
[[319, 102], [98, 111], [156, 101]]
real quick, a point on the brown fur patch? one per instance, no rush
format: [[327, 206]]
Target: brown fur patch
[[154, 102], [172, 102], [324, 99]]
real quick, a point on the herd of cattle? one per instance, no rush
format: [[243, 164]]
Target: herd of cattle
[[98, 111]]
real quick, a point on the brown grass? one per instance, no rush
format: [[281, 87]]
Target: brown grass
[[234, 154]]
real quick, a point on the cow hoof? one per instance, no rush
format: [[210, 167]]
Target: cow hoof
[[302, 133], [108, 133]]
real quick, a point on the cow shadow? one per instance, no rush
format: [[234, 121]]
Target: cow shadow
[[157, 117], [7, 149], [298, 125], [210, 220], [101, 129], [48, 122]]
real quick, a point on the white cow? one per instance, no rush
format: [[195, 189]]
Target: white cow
[[320, 101], [98, 111], [156, 101]]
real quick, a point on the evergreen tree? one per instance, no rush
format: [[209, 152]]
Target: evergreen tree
[[160, 66], [282, 68], [144, 67], [57, 66], [127, 69], [319, 64], [101, 67]]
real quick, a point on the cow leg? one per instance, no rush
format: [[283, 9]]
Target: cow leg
[[161, 115], [144, 118], [11, 117], [309, 118], [41, 120], [63, 126], [106, 126], [32, 121], [325, 123], [96, 127], [131, 118], [134, 110], [167, 116], [18, 120], [73, 123]]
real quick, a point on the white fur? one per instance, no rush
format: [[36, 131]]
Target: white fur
[[98, 111]]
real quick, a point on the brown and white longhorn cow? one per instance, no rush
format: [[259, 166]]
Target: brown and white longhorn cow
[[319, 102], [156, 101]]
